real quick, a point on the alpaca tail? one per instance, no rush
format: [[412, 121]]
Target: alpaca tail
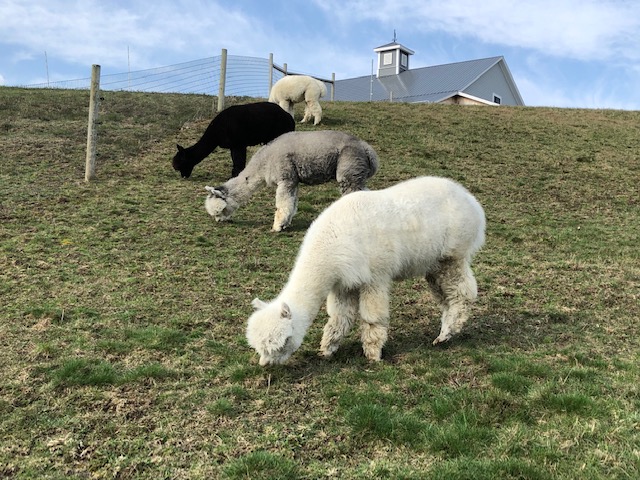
[[372, 156], [323, 88]]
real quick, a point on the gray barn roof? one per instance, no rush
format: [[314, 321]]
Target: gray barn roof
[[427, 84]]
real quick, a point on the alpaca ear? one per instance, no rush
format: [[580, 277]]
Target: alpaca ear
[[215, 192], [258, 304], [285, 311], [180, 148]]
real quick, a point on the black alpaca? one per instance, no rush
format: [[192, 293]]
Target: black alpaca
[[235, 128]]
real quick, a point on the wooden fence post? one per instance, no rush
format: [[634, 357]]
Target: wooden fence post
[[223, 77], [333, 86], [92, 133]]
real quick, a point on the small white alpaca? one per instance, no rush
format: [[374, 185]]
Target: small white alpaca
[[293, 89], [293, 158], [357, 247]]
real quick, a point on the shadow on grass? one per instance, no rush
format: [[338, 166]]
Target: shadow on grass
[[332, 122], [524, 330], [521, 329]]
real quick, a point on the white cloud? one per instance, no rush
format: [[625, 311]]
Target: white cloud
[[545, 83], [93, 31], [579, 29]]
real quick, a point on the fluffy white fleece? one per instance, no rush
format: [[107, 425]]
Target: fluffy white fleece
[[426, 227], [294, 89]]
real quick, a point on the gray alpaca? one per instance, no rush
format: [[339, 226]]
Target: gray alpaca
[[310, 158]]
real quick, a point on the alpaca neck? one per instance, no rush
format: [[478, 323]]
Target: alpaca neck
[[207, 143], [307, 289], [200, 150], [248, 182]]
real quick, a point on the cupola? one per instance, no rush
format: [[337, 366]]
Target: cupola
[[393, 58]]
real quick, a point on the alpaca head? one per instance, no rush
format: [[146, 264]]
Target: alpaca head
[[219, 204], [181, 162], [270, 332]]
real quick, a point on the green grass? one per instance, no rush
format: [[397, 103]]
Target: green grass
[[123, 305]]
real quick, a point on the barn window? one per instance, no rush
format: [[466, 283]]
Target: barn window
[[497, 99], [404, 59], [387, 58]]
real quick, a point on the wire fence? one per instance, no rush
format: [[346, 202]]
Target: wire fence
[[244, 77], [221, 76]]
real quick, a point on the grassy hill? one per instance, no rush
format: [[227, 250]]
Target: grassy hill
[[123, 305]]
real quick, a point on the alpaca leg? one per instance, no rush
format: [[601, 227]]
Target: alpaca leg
[[374, 311], [311, 98], [286, 205], [457, 288], [315, 110], [307, 113], [239, 159], [433, 280], [342, 307]]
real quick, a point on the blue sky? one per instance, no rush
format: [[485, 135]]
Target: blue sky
[[562, 53]]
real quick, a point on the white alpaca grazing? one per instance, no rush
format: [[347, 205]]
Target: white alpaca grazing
[[293, 158], [353, 252], [294, 89]]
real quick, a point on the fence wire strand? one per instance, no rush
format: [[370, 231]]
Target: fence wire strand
[[245, 76]]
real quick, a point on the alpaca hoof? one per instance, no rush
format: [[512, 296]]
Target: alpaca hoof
[[328, 350], [441, 339], [279, 228], [375, 356]]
